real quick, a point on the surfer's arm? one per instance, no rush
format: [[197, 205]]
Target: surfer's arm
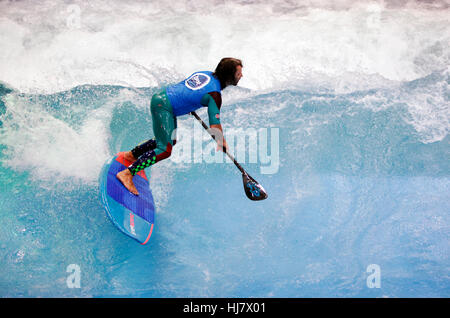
[[218, 136], [214, 101]]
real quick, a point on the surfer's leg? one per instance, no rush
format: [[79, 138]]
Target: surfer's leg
[[160, 148], [143, 154], [139, 150], [164, 126], [126, 176], [154, 150], [145, 160], [142, 148]]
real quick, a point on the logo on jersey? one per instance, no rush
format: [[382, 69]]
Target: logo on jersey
[[197, 81]]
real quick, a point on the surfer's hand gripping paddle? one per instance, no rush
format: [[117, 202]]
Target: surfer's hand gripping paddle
[[252, 188]]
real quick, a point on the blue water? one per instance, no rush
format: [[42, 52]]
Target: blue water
[[362, 172], [360, 188]]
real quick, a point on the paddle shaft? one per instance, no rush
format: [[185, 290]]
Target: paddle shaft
[[226, 151], [252, 188]]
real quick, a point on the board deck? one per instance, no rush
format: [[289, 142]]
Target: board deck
[[133, 215]]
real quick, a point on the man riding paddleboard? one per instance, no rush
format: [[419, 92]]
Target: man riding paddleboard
[[201, 89]]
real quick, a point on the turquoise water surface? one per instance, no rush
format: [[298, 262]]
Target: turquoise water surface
[[356, 166]]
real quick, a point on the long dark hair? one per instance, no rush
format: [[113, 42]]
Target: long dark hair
[[226, 70]]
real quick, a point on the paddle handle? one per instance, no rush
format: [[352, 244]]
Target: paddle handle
[[226, 151]]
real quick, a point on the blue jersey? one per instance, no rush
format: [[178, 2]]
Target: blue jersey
[[186, 95]]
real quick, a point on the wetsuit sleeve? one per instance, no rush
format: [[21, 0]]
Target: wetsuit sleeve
[[214, 101]]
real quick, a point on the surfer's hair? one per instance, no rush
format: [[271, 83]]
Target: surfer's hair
[[226, 70]]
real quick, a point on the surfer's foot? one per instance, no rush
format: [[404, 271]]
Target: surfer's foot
[[128, 155], [126, 178]]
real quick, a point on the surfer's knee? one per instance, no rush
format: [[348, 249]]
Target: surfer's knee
[[165, 153]]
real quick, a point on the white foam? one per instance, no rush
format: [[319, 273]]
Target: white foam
[[51, 46], [51, 149], [426, 103], [429, 109]]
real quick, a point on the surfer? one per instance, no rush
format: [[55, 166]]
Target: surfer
[[200, 89]]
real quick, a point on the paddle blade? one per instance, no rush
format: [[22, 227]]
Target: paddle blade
[[253, 189]]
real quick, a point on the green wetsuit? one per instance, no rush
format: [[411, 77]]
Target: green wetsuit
[[164, 129]]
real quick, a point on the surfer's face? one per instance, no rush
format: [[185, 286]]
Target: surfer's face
[[237, 75]]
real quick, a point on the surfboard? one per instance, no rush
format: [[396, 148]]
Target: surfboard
[[131, 214]]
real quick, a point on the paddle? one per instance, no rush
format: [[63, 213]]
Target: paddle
[[252, 188]]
